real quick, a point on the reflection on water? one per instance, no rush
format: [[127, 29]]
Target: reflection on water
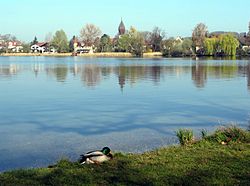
[[52, 108], [93, 74]]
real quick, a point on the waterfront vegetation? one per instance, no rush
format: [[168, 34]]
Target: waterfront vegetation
[[91, 39], [206, 161]]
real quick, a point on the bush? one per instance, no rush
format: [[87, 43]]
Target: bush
[[2, 51], [185, 136], [229, 134]]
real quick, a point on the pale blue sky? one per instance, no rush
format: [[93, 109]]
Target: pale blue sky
[[29, 18]]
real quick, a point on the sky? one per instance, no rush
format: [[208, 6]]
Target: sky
[[29, 18]]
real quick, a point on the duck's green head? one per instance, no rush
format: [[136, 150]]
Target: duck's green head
[[106, 150]]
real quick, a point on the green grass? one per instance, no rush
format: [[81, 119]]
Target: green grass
[[204, 162]]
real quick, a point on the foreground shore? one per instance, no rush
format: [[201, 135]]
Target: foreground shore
[[204, 162], [107, 54]]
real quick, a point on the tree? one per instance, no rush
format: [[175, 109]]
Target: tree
[[187, 47], [147, 38], [167, 46], [72, 43], [123, 43], [199, 34], [228, 44], [48, 37], [211, 46], [26, 47], [156, 37], [248, 34], [8, 37], [176, 47], [137, 44], [105, 44], [34, 41], [60, 42], [132, 42], [89, 34]]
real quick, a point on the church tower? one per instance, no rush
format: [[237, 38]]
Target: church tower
[[121, 28]]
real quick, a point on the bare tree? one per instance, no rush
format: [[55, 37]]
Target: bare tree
[[147, 36], [249, 30], [199, 34], [89, 34], [156, 38]]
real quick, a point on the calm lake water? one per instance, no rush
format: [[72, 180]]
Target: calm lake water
[[52, 108]]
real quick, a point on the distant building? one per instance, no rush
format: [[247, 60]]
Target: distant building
[[178, 40], [244, 40], [84, 49], [40, 47], [15, 46], [121, 29]]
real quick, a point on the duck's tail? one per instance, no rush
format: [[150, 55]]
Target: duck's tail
[[82, 159]]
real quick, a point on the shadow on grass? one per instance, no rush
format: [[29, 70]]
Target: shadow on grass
[[67, 173], [220, 169]]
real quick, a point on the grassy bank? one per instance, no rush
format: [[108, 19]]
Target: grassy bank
[[105, 54], [205, 162]]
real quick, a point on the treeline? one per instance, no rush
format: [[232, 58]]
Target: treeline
[[220, 43], [132, 41], [201, 43]]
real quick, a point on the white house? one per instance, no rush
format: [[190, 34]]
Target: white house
[[40, 47], [178, 39], [84, 49], [15, 46]]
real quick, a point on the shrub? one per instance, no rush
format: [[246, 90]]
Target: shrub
[[185, 136], [229, 134]]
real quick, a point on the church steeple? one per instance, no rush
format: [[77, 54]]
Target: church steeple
[[121, 28]]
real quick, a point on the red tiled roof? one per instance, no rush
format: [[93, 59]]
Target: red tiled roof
[[15, 43], [42, 44]]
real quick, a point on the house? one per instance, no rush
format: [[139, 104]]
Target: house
[[244, 40], [84, 49], [15, 46], [179, 39], [40, 47], [79, 48]]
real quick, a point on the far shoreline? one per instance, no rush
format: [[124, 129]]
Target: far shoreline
[[104, 54], [152, 55]]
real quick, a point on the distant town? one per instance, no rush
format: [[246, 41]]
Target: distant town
[[91, 41]]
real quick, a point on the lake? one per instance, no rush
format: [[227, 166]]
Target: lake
[[53, 108]]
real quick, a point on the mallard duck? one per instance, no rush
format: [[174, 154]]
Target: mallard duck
[[96, 157]]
